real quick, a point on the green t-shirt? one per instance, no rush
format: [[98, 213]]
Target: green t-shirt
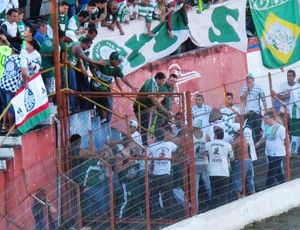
[[4, 52], [167, 101], [47, 48], [150, 86], [62, 21], [106, 74], [21, 27], [72, 58]]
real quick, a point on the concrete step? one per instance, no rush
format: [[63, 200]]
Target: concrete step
[[6, 153], [2, 165], [10, 141]]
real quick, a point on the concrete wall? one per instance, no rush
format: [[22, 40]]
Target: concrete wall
[[34, 166], [237, 214]]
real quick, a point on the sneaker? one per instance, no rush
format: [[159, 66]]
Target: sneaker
[[103, 121]]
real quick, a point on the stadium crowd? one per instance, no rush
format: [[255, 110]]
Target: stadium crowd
[[222, 142]]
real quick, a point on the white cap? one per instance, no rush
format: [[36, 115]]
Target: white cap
[[197, 122], [71, 34], [133, 123], [236, 127]]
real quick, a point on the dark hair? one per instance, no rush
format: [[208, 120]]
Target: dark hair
[[199, 95], [229, 94], [91, 3], [64, 3], [61, 33], [101, 1], [159, 75], [83, 14], [173, 75], [292, 72], [35, 44], [159, 135], [271, 114], [32, 30], [87, 40], [41, 23], [92, 30], [131, 1], [219, 133], [11, 11], [74, 138]]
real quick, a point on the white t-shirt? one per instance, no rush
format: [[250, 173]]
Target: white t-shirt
[[294, 104], [253, 98], [162, 149], [34, 61], [199, 150], [219, 152], [204, 113], [275, 135], [210, 131]]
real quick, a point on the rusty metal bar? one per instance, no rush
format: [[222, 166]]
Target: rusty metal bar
[[191, 152], [287, 143]]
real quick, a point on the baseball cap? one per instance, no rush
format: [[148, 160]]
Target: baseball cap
[[250, 75], [197, 122], [133, 123], [236, 127], [71, 34], [116, 56], [16, 47]]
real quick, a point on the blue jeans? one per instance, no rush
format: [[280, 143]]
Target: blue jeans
[[236, 176], [204, 174], [72, 85], [72, 10], [97, 198], [275, 171]]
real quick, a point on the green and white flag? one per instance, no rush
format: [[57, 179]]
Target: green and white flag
[[31, 104], [222, 23], [277, 26], [136, 46]]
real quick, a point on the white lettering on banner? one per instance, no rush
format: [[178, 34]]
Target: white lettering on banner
[[265, 4]]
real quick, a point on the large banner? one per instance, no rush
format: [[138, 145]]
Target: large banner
[[277, 25], [222, 23], [31, 104], [136, 46]]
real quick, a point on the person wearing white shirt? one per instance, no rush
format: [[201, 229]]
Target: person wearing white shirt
[[229, 112], [252, 94], [162, 180], [219, 154], [274, 136], [33, 57], [201, 110]]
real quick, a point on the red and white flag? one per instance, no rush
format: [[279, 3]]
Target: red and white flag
[[31, 104]]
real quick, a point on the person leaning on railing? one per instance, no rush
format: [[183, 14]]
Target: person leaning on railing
[[15, 75], [143, 104]]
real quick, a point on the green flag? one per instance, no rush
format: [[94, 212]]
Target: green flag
[[277, 26]]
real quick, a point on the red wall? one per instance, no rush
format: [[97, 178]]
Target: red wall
[[34, 166], [217, 66]]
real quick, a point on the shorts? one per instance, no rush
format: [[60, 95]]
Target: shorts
[[50, 84], [6, 97]]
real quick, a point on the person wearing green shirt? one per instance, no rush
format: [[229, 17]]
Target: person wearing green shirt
[[146, 102], [106, 74], [167, 102], [62, 17], [47, 54]]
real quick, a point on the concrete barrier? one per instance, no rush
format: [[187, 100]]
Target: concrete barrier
[[238, 214]]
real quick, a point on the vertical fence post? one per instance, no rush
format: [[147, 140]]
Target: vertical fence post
[[271, 88], [287, 143], [242, 140], [191, 152], [147, 193], [111, 195], [185, 164]]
